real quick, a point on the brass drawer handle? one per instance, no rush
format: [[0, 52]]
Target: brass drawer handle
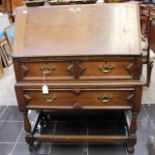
[[105, 98], [106, 68], [49, 98], [46, 69]]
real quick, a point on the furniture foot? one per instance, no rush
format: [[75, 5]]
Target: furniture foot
[[32, 148], [131, 143], [130, 149], [132, 136], [30, 141]]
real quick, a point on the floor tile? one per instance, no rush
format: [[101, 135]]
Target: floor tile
[[151, 111], [5, 149], [71, 118], [46, 128], [8, 101], [10, 93], [2, 109], [71, 128], [143, 115], [102, 115], [105, 128], [9, 131], [140, 149], [12, 114], [22, 136], [22, 149], [145, 129], [149, 97], [151, 145], [68, 149], [99, 149]]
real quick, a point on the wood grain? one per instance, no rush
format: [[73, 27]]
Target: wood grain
[[72, 33]]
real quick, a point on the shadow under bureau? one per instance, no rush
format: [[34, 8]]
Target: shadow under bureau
[[79, 64]]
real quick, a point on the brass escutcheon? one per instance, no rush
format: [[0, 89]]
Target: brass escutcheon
[[106, 68], [49, 98], [46, 69], [105, 98]]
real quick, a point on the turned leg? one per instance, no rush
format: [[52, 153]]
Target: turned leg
[[28, 136], [149, 71], [29, 139], [132, 136]]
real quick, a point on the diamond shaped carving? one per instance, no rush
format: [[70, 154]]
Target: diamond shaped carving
[[130, 68], [76, 69], [76, 91], [24, 69], [70, 68], [27, 98], [130, 98], [77, 106]]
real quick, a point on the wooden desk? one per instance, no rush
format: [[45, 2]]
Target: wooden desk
[[89, 59]]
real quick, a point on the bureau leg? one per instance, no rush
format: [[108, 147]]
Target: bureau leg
[[28, 136], [132, 133], [29, 139], [131, 143]]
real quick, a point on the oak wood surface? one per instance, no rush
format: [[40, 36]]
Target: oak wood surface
[[79, 68], [83, 138], [76, 30], [89, 56], [80, 98], [82, 84], [79, 95]]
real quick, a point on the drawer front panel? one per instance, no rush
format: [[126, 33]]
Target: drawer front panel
[[45, 70], [110, 70], [78, 70], [84, 99]]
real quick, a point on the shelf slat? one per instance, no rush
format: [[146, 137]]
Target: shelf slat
[[82, 138]]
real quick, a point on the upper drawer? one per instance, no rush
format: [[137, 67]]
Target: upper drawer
[[35, 69]]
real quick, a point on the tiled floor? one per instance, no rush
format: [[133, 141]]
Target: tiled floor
[[12, 136]]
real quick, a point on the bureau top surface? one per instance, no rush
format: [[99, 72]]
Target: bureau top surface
[[77, 30]]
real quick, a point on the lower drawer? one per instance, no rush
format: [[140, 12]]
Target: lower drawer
[[78, 99]]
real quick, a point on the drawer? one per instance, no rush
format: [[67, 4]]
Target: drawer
[[85, 69], [78, 99]]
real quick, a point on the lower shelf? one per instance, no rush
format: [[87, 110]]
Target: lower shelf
[[103, 128]]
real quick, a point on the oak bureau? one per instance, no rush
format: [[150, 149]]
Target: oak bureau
[[79, 58]]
